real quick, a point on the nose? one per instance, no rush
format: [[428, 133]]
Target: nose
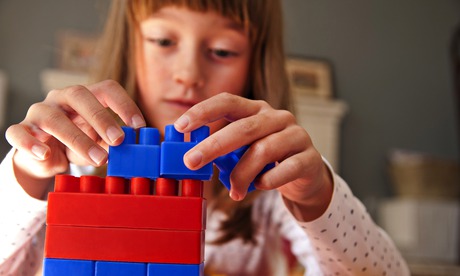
[[189, 70]]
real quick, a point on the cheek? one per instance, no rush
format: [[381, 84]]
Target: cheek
[[232, 80], [150, 77]]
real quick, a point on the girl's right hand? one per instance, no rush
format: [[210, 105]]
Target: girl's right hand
[[71, 125]]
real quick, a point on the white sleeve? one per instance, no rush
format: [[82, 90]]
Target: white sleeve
[[346, 241], [22, 220], [299, 241]]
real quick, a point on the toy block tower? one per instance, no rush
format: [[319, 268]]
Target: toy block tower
[[136, 221], [146, 218]]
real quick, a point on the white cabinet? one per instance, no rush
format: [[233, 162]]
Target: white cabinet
[[322, 120], [425, 230], [55, 79]]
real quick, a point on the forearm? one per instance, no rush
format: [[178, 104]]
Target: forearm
[[35, 187], [22, 217], [346, 240], [312, 207]]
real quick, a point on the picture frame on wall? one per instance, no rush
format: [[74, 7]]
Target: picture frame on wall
[[76, 50], [310, 77]]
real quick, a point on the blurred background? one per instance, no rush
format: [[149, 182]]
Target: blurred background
[[375, 85]]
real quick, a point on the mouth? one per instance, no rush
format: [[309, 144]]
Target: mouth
[[181, 103]]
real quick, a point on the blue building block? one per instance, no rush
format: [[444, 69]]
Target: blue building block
[[104, 268], [226, 164], [131, 159], [59, 267], [175, 269], [172, 154]]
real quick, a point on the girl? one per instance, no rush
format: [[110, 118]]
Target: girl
[[191, 63]]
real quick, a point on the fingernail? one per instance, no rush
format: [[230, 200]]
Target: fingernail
[[181, 123], [39, 151], [194, 158], [113, 133], [97, 155], [234, 195], [137, 121]]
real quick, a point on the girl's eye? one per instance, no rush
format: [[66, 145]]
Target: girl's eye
[[222, 53], [162, 42]]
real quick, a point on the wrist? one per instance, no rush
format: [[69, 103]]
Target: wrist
[[33, 185], [312, 207]]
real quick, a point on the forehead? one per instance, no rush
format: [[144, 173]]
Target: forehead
[[236, 10]]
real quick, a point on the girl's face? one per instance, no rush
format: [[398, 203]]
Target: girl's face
[[184, 57]]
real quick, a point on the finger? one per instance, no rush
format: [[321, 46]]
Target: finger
[[274, 148], [293, 168], [79, 100], [76, 159], [54, 122], [223, 105], [20, 137], [237, 134], [111, 94]]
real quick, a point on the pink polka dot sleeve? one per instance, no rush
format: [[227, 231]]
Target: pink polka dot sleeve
[[347, 242], [22, 221]]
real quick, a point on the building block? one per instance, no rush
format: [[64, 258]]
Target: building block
[[227, 163], [140, 186], [192, 188], [66, 183], [92, 184], [131, 159], [125, 211], [167, 187], [172, 154], [120, 269], [115, 185], [147, 217], [134, 210], [59, 267], [124, 244], [175, 270]]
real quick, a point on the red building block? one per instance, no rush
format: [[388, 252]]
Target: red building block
[[92, 184], [66, 183], [140, 186], [83, 184], [125, 210], [192, 188], [166, 187], [115, 185], [125, 245], [149, 212]]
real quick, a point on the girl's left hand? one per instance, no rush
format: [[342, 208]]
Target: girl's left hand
[[274, 136]]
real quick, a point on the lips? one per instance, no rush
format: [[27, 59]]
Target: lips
[[181, 103]]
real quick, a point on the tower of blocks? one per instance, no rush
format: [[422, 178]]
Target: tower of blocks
[[146, 218]]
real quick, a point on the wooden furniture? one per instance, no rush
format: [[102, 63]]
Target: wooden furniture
[[3, 99]]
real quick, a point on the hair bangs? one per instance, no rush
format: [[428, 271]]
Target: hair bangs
[[236, 10]]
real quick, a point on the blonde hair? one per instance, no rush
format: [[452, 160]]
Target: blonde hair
[[262, 18], [267, 80]]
